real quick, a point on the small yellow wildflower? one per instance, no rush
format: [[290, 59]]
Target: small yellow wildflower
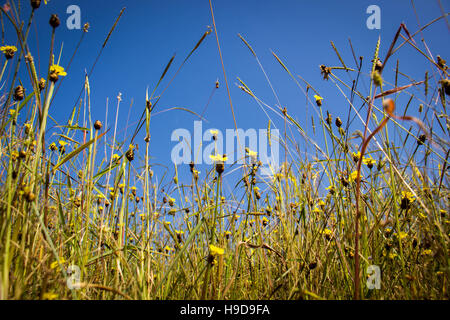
[[168, 249], [369, 162], [408, 195], [327, 233], [356, 156], [318, 100], [216, 251], [402, 235], [8, 51], [55, 264], [392, 255], [251, 153], [218, 158], [8, 48], [58, 70], [49, 296], [427, 252], [353, 176], [317, 210]]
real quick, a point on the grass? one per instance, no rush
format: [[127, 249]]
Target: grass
[[108, 230]]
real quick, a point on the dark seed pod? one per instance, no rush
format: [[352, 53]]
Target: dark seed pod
[[9, 53], [130, 155], [54, 21], [35, 4], [19, 93], [220, 167], [338, 122], [312, 265], [98, 125], [422, 139], [446, 86]]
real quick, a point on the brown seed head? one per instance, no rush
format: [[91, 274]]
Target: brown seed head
[[98, 125], [35, 4], [54, 21]]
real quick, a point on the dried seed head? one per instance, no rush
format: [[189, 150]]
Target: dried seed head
[[130, 154], [422, 139], [441, 63], [325, 71], [54, 21], [19, 93], [220, 167], [446, 85], [42, 84], [98, 125], [338, 122], [35, 4]]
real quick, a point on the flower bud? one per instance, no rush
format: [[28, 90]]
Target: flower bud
[[54, 21], [35, 4]]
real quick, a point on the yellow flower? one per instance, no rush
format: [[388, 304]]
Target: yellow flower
[[12, 112], [408, 195], [251, 153], [62, 143], [218, 158], [8, 48], [369, 162], [8, 51], [54, 264], [216, 251], [115, 157], [58, 70], [318, 99], [402, 235], [321, 203], [427, 252], [392, 255], [53, 147], [214, 132], [356, 156], [353, 176], [49, 296], [168, 249], [317, 210]]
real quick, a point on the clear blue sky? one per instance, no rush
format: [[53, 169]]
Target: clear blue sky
[[150, 32]]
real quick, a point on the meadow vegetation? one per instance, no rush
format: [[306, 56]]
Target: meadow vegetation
[[85, 197]]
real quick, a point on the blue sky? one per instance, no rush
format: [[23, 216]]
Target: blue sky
[[150, 32]]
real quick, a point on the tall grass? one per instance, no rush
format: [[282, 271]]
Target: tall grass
[[83, 217]]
